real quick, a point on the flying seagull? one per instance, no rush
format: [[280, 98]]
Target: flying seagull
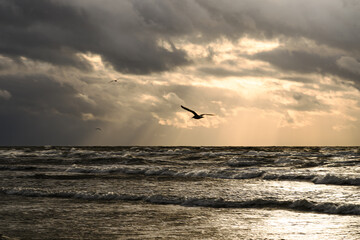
[[196, 116], [98, 129], [116, 80]]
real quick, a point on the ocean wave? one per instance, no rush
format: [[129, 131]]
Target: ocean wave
[[249, 161], [19, 168], [300, 204], [164, 171], [64, 155], [242, 162], [288, 176], [316, 179], [336, 180], [275, 161], [222, 173]]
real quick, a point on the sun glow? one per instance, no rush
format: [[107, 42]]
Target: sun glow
[[253, 102], [223, 49]]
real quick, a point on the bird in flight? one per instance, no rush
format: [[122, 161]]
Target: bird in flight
[[197, 116], [117, 80], [98, 129]]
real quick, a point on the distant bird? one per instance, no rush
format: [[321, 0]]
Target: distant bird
[[197, 116], [115, 81], [98, 129]]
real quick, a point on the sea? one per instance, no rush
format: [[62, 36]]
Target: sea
[[69, 192]]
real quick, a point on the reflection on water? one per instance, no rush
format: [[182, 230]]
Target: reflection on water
[[180, 192], [282, 224], [34, 218]]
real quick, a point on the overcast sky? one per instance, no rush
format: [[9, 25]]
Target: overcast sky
[[274, 72]]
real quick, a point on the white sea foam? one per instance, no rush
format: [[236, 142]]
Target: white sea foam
[[222, 173], [242, 162], [301, 204]]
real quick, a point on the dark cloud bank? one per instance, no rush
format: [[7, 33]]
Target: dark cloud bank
[[55, 31], [125, 33], [39, 110]]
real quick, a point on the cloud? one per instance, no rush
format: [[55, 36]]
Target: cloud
[[304, 102], [40, 93], [126, 34], [307, 63], [5, 94], [56, 31], [42, 30], [42, 111], [289, 60], [173, 98], [350, 64]]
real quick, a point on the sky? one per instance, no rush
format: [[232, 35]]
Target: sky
[[274, 72]]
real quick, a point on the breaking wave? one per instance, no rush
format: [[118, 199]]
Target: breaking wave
[[164, 171], [300, 205], [336, 180], [222, 173]]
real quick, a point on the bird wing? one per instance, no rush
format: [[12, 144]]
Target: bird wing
[[192, 111]]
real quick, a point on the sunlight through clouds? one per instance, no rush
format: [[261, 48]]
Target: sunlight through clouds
[[269, 72]]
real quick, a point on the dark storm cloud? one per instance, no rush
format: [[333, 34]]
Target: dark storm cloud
[[54, 31], [42, 111], [328, 22], [19, 128], [304, 62], [127, 33], [43, 30], [40, 93]]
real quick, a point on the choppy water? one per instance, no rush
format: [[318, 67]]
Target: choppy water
[[180, 192]]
